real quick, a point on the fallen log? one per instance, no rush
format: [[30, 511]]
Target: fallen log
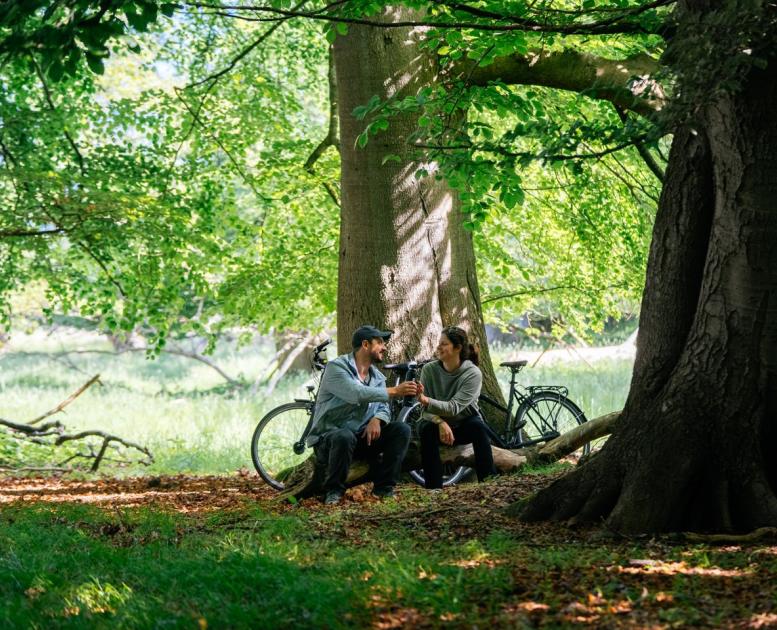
[[578, 437]]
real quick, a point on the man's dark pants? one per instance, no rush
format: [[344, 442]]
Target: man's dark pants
[[337, 449], [470, 430]]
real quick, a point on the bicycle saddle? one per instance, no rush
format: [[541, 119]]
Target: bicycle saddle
[[514, 365]]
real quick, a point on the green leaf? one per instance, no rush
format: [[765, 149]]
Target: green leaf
[[391, 157]]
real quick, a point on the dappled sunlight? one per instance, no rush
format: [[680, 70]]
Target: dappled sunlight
[[424, 257], [659, 567], [96, 597], [179, 493], [763, 620]]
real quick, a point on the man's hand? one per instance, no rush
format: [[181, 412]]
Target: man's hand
[[446, 433], [408, 388], [372, 430]]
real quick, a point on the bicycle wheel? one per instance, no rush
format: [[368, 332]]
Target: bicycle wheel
[[451, 473], [272, 445], [546, 412]]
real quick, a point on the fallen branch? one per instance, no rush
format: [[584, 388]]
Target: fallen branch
[[305, 480], [68, 400], [578, 437]]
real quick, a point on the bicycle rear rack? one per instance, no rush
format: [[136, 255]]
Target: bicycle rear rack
[[558, 389]]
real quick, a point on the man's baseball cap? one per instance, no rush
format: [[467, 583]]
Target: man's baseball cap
[[368, 333]]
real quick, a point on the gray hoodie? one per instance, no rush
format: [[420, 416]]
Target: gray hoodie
[[345, 401], [452, 395]]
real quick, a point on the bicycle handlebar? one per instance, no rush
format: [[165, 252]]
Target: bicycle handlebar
[[322, 345], [319, 362]]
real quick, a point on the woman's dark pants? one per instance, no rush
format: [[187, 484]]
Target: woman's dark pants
[[471, 430]]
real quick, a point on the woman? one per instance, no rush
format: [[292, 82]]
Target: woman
[[451, 386]]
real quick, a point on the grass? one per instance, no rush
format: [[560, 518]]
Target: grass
[[405, 563], [181, 409], [197, 552]]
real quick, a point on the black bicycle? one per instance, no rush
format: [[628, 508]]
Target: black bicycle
[[278, 444], [543, 413]]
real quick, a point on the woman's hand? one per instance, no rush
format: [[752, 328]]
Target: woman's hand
[[446, 433]]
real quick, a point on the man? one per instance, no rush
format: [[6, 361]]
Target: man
[[352, 417]]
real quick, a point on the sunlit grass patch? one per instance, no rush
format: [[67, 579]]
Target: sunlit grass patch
[[184, 411]]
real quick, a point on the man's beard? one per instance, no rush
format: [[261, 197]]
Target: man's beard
[[375, 356]]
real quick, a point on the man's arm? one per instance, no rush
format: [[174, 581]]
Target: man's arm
[[340, 382]]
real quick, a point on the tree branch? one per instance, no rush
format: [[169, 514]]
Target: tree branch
[[36, 435], [25, 233], [643, 151], [332, 137], [53, 108], [68, 400], [245, 52], [624, 82], [503, 296], [610, 26]]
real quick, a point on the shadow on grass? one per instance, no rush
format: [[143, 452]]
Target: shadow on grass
[[71, 566]]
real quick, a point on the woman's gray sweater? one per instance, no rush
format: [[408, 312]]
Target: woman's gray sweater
[[452, 395]]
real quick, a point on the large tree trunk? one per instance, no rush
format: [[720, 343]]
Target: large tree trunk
[[693, 447], [406, 262]]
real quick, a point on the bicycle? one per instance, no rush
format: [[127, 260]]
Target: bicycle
[[543, 413], [278, 443]]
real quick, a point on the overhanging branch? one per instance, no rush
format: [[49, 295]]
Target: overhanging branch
[[492, 22], [626, 83]]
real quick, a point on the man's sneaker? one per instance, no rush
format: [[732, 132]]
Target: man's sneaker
[[384, 493], [333, 497]]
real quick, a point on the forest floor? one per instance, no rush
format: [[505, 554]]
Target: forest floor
[[222, 552]]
